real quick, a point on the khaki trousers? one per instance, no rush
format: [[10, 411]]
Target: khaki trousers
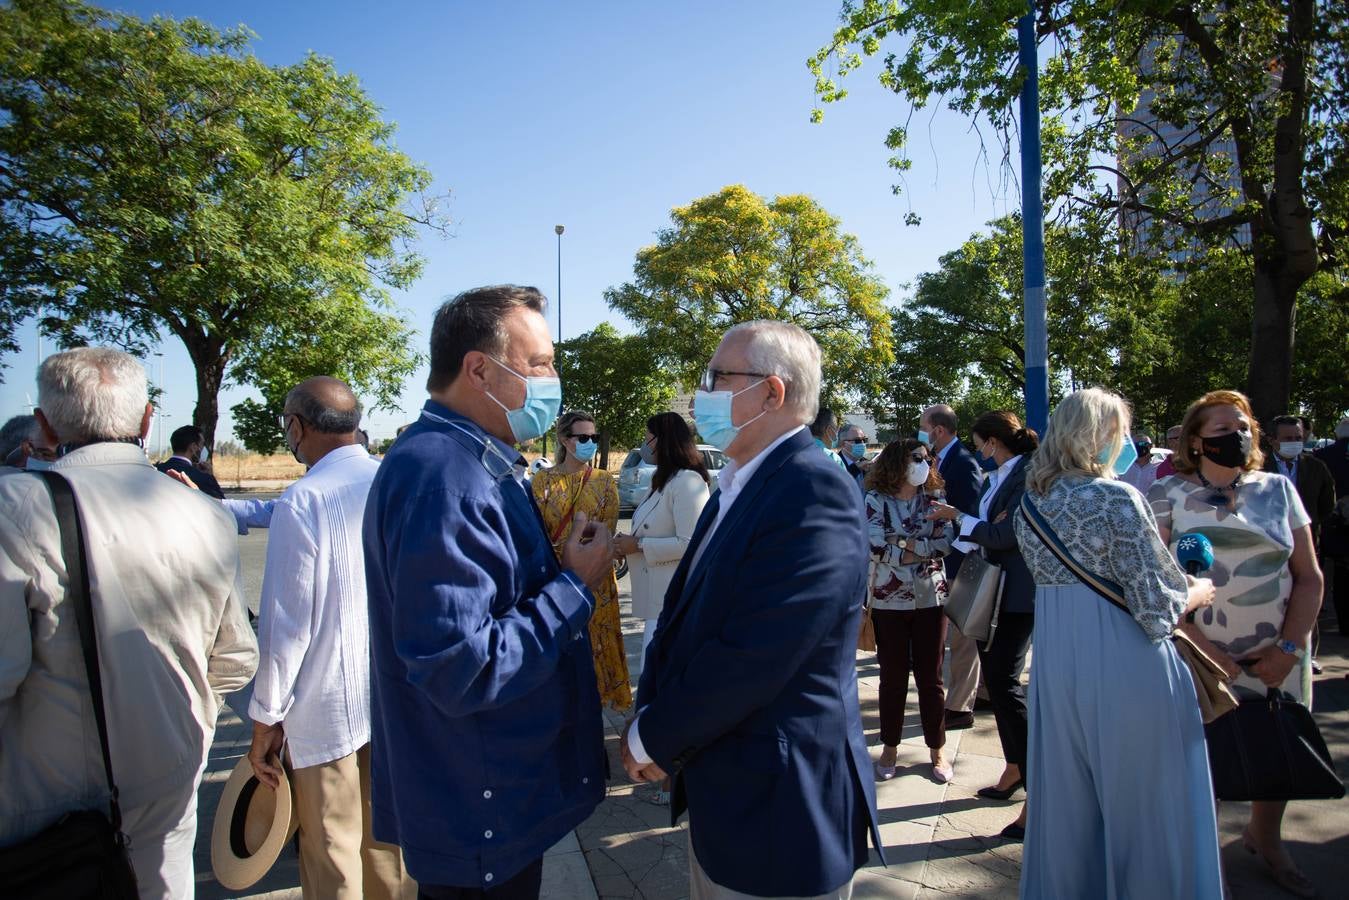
[[338, 856], [964, 681], [701, 887]]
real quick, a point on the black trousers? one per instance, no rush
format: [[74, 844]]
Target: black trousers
[[523, 886], [1003, 661], [1339, 592]]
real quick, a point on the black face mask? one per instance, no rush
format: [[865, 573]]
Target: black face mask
[[1231, 449]]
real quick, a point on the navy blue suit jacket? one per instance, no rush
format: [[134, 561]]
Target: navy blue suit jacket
[[999, 540], [963, 480], [203, 480], [749, 691]]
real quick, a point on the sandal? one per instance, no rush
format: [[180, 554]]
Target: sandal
[[1289, 878], [660, 798], [884, 773]]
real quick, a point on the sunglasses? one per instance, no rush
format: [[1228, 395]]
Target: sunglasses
[[584, 438], [918, 457]]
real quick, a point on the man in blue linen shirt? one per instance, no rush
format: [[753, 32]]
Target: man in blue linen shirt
[[487, 740]]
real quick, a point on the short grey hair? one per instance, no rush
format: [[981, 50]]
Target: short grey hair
[[789, 352], [324, 418], [17, 430], [93, 393]]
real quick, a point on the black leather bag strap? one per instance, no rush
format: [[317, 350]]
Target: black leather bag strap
[[77, 574]]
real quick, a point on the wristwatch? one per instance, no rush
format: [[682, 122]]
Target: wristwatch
[[1291, 649]]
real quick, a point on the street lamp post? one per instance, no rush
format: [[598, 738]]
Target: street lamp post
[[159, 407], [558, 229]]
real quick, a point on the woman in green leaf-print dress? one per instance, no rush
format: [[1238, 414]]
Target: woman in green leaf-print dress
[[1268, 585]]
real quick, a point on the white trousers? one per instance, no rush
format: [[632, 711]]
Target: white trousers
[[162, 834]]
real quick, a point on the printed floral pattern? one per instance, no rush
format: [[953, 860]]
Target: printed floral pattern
[[898, 585], [1252, 544], [1109, 530]]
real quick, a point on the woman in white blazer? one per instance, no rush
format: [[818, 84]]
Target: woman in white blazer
[[663, 523]]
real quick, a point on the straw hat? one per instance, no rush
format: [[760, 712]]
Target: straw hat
[[252, 824]]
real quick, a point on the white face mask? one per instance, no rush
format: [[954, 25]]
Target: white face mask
[[918, 473], [1290, 449], [203, 454]]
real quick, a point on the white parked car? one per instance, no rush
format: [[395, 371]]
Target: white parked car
[[634, 477]]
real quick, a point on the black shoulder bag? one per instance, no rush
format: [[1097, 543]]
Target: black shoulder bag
[[84, 855]]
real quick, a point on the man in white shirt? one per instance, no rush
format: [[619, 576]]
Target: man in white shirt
[[312, 692]]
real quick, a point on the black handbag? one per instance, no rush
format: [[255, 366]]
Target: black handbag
[[1270, 749], [84, 854]]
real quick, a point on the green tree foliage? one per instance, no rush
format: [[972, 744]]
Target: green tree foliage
[[1117, 320], [1224, 124], [733, 257], [156, 177], [617, 379]]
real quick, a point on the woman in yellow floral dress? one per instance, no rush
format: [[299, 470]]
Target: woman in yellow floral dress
[[573, 486]]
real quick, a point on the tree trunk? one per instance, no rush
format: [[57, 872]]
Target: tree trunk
[[1283, 242], [210, 358], [1270, 373], [604, 450]]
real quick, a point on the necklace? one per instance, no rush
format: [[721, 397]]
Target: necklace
[[1218, 498]]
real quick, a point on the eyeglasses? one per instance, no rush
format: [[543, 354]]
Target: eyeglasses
[[712, 376], [584, 438], [281, 419]]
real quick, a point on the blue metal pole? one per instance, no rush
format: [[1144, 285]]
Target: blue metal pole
[[1033, 231]]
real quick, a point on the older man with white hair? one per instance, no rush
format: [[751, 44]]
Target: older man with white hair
[[750, 685], [168, 617]]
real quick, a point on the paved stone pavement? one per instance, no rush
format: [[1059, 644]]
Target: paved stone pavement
[[939, 839]]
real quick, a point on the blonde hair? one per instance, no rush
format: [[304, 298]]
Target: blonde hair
[[564, 424], [1186, 460], [1084, 423]]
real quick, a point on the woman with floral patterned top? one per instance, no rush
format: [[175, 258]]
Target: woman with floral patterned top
[[1121, 802], [908, 590], [1264, 567]]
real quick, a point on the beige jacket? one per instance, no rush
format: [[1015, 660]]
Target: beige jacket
[[663, 524], [172, 636]]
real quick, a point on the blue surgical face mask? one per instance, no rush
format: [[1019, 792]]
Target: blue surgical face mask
[[858, 449], [924, 437], [1128, 455], [543, 401], [37, 465], [712, 416], [586, 452], [648, 454]]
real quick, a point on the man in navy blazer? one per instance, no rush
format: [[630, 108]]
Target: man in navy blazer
[[750, 688], [959, 469]]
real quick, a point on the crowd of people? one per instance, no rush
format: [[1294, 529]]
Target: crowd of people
[[438, 632]]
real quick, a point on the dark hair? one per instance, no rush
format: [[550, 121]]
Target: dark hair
[[564, 423], [472, 321], [1285, 420], [887, 474], [675, 449], [17, 430], [185, 437], [1008, 430], [824, 420]]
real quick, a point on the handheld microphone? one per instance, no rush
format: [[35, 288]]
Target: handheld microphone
[[1194, 552]]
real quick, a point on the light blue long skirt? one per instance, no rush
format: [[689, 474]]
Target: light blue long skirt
[[1118, 786]]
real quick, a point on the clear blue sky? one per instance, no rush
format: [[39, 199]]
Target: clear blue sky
[[601, 117]]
